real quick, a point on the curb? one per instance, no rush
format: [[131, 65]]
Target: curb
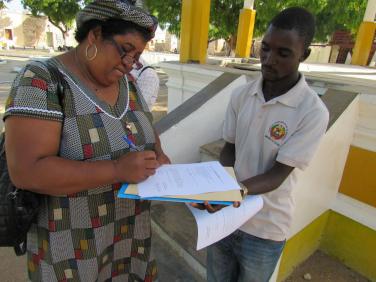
[[25, 55], [188, 258]]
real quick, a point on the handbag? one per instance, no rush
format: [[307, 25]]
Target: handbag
[[19, 208]]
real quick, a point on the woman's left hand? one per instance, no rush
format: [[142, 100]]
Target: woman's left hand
[[161, 156]]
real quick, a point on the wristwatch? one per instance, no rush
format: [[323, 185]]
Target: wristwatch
[[244, 189]]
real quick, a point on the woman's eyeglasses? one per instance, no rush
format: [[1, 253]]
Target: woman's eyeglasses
[[134, 61]]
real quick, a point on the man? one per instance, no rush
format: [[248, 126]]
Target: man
[[272, 125], [147, 81]]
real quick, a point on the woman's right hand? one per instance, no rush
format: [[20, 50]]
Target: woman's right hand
[[135, 167]]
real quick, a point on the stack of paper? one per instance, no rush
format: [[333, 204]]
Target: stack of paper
[[198, 182], [213, 227]]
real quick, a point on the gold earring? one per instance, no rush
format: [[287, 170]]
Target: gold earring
[[87, 51]]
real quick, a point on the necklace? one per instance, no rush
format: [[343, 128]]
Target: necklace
[[99, 92], [96, 104]]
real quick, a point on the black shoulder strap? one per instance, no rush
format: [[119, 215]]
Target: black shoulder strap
[[145, 68]]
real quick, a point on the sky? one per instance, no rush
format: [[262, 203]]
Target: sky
[[14, 5]]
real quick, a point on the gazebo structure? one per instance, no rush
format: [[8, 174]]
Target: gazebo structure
[[195, 26]]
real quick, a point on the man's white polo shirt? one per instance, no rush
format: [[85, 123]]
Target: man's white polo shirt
[[286, 129]]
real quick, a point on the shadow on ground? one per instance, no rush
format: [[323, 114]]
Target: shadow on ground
[[324, 268]]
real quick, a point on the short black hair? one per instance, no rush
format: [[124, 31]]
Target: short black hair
[[111, 28], [299, 19]]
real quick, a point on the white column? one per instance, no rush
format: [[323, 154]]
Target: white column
[[248, 4], [369, 15]]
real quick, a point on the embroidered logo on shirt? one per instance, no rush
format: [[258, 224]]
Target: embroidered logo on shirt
[[278, 130]]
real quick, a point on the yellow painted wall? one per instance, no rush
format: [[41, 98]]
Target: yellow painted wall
[[359, 176], [301, 246], [351, 242]]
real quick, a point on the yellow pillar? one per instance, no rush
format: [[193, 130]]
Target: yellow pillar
[[365, 36], [245, 32], [194, 31], [363, 43]]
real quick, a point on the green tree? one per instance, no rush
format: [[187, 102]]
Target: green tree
[[331, 15], [224, 20], [168, 13], [224, 16], [61, 13]]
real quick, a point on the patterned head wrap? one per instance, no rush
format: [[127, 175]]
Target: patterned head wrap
[[117, 9]]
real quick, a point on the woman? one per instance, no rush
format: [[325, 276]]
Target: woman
[[75, 151]]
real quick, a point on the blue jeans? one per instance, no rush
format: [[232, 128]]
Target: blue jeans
[[242, 257]]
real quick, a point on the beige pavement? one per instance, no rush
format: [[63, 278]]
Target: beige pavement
[[6, 77], [12, 268]]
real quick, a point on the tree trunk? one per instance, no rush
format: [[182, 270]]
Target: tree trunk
[[63, 32], [230, 45]]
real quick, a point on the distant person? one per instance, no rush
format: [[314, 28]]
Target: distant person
[[78, 149], [272, 126], [147, 81]]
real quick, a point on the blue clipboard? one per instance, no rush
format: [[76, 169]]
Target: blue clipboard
[[123, 194]]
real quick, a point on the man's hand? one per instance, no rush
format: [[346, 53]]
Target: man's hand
[[212, 208]]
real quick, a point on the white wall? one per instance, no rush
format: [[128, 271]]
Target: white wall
[[12, 20], [319, 54], [182, 142], [365, 132], [23, 24], [185, 80], [154, 58], [318, 185]]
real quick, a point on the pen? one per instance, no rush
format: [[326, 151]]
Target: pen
[[130, 143]]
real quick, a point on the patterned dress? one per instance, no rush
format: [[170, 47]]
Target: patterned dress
[[91, 235]]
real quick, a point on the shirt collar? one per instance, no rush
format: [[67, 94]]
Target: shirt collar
[[256, 89], [291, 98]]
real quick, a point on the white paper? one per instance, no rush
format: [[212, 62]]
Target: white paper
[[187, 179], [212, 227]]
